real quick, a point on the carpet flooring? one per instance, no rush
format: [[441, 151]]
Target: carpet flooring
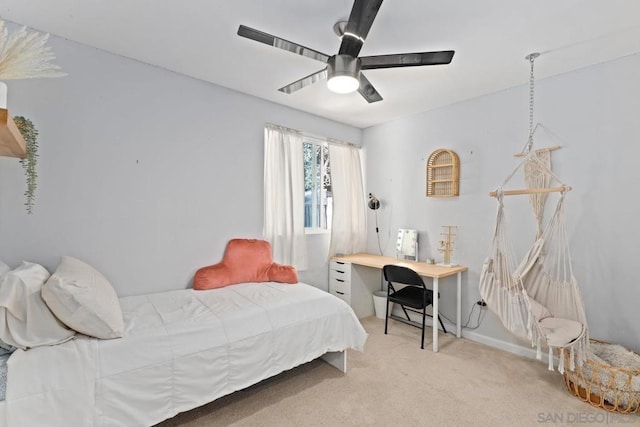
[[395, 383]]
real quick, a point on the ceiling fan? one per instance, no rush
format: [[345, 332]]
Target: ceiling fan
[[343, 71]]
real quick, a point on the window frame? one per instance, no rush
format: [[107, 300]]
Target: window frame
[[324, 145]]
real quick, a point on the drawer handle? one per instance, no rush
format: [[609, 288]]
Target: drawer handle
[[338, 262], [339, 280], [340, 271], [338, 292]]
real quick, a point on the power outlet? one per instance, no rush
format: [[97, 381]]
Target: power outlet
[[481, 303]]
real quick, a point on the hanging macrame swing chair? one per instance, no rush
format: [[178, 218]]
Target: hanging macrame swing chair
[[539, 299]]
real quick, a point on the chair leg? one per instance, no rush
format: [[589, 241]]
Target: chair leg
[[386, 318], [424, 314], [442, 324], [405, 312]]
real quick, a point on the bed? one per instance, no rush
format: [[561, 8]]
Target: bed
[[181, 349]]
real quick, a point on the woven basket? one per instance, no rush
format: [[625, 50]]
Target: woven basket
[[614, 389]]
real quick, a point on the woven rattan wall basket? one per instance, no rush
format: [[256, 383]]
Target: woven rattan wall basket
[[443, 174]]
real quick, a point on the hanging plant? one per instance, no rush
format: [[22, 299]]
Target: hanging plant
[[30, 135]]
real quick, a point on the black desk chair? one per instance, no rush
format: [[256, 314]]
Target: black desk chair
[[414, 295]]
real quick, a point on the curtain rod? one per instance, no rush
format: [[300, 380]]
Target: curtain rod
[[313, 136]]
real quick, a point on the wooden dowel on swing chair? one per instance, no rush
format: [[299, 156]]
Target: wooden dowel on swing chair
[[531, 191]]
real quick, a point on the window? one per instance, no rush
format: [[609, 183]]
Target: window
[[317, 185]]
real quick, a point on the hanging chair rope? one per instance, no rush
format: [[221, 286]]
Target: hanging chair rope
[[537, 168], [537, 163]]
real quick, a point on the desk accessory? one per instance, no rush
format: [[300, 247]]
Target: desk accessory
[[446, 245]]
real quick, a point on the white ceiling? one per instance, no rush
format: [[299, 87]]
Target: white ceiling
[[491, 38]]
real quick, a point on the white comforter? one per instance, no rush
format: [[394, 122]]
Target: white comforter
[[181, 349]]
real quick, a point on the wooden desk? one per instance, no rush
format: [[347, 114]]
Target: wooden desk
[[432, 271]]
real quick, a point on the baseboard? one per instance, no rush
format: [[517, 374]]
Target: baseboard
[[520, 350]]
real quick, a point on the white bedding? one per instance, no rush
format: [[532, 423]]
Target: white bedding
[[181, 349]]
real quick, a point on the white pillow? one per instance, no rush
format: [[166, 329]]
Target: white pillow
[[83, 299], [25, 319]]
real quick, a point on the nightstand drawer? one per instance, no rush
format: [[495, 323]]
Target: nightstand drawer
[[343, 296], [339, 285]]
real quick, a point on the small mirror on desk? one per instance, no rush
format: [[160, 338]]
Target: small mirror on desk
[[407, 245]]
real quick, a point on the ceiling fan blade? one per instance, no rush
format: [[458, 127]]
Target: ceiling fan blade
[[406, 60], [259, 36], [305, 81], [360, 20], [367, 90]]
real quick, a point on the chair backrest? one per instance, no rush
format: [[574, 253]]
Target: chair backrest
[[402, 275]]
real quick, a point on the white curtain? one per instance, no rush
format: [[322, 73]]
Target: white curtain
[[284, 196], [348, 231]]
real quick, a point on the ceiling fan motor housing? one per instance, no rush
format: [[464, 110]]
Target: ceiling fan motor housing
[[343, 73], [343, 65]]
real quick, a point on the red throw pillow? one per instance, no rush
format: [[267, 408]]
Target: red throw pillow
[[283, 273], [244, 261]]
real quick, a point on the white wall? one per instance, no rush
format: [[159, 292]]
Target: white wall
[[143, 173], [594, 114]]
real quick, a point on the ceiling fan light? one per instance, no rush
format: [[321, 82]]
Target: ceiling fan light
[[343, 84], [343, 74]]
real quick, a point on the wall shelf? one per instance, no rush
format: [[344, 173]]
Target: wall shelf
[[443, 174], [12, 143]]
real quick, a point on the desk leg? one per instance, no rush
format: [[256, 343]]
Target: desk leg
[[435, 314], [459, 306]]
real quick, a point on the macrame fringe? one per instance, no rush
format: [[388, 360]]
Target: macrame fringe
[[561, 362], [572, 362], [536, 176], [530, 329], [577, 354]]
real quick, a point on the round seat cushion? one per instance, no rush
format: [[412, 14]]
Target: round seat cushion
[[560, 332]]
